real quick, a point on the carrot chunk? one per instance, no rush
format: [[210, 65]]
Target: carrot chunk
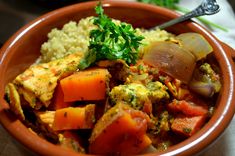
[[188, 108], [58, 99], [74, 118], [85, 85], [120, 130], [187, 126]]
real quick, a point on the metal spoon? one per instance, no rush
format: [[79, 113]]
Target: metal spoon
[[207, 7]]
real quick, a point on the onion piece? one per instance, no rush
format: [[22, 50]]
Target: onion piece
[[172, 59], [202, 88], [196, 44], [137, 77], [205, 81]]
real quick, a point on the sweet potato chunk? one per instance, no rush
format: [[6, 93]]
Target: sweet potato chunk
[[120, 130], [188, 108], [58, 99], [74, 118], [85, 85], [187, 126]]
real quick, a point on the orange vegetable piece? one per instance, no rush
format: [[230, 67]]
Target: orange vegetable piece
[[85, 85], [188, 108], [74, 118], [120, 130], [187, 126], [58, 99]]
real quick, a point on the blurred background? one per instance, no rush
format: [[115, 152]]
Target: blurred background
[[16, 13], [232, 2]]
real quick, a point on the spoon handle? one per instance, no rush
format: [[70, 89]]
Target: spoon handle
[[207, 7]]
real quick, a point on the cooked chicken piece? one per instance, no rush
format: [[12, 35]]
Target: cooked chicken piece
[[29, 97], [138, 96], [133, 94], [158, 91], [71, 140], [14, 100], [44, 125], [47, 118], [38, 82]]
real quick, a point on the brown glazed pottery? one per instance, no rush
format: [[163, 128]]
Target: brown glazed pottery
[[23, 48]]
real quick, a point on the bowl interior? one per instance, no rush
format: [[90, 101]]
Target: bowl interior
[[24, 48]]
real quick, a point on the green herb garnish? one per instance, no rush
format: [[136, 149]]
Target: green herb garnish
[[187, 130], [113, 41], [172, 4]]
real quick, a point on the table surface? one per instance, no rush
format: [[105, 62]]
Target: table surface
[[21, 12]]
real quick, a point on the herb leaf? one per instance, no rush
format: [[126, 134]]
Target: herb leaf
[[112, 41]]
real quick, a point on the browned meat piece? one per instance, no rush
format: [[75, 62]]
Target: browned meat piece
[[14, 100], [118, 69], [37, 83]]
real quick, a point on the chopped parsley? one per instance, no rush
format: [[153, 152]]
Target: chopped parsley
[[187, 130], [113, 41]]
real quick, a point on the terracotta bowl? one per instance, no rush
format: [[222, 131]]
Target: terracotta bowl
[[22, 49]]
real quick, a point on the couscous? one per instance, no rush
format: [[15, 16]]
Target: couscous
[[74, 37]]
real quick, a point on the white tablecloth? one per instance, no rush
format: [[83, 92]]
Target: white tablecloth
[[225, 18]]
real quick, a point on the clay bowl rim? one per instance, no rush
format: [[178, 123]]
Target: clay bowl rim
[[213, 129]]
